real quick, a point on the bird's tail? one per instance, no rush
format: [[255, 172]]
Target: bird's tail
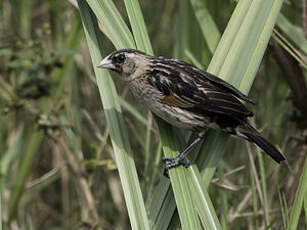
[[251, 134]]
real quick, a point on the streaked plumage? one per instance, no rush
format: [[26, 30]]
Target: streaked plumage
[[186, 97]]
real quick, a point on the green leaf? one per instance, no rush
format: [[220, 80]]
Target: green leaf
[[138, 26], [171, 147], [178, 176], [207, 24], [244, 42], [293, 32], [112, 23], [236, 60], [112, 110], [24, 170], [301, 195], [12, 152], [202, 201]]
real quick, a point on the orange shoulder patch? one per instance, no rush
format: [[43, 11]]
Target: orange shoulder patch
[[172, 100]]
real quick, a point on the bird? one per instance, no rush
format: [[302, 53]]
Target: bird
[[186, 97]]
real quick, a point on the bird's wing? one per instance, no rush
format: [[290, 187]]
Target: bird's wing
[[218, 82], [190, 91], [220, 101], [226, 86]]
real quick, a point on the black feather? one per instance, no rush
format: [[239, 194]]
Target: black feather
[[252, 135], [202, 76], [205, 95]]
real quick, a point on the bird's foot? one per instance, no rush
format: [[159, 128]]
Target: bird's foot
[[174, 162]]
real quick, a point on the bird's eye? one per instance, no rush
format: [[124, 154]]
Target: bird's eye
[[121, 58]]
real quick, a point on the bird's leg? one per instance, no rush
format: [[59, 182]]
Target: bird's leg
[[181, 158]]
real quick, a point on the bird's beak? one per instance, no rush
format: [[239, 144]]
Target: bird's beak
[[106, 63]]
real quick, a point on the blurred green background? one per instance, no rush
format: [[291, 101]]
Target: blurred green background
[[56, 159]]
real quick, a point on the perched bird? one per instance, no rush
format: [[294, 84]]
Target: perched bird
[[186, 97]]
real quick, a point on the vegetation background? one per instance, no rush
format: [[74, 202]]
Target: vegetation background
[[57, 162]]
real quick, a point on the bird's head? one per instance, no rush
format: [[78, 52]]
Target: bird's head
[[127, 63]]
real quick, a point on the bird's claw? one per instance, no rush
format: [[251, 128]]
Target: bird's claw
[[165, 159], [174, 162]]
